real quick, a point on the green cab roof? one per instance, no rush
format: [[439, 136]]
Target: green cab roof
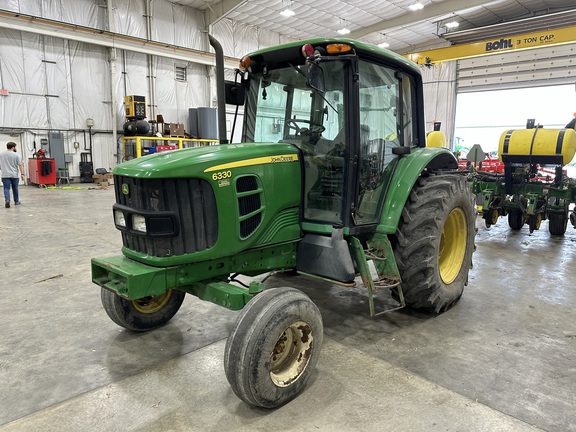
[[362, 48]]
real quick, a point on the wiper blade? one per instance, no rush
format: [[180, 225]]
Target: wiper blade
[[315, 91]]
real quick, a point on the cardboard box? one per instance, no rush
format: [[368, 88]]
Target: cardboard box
[[99, 178], [177, 129]]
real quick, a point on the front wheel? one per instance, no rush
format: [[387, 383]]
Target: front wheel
[[435, 241], [143, 314], [274, 347]]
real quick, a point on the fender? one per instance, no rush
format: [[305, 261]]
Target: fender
[[407, 171]]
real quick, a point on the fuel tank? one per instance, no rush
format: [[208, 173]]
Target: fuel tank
[[538, 145]]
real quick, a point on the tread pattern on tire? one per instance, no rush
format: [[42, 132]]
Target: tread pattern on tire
[[557, 224], [416, 244], [123, 313], [515, 219], [249, 378]]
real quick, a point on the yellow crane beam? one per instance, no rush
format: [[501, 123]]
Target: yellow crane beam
[[538, 39]]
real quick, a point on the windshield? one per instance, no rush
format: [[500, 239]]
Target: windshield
[[282, 108]]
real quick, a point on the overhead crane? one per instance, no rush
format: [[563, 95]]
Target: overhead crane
[[497, 45]]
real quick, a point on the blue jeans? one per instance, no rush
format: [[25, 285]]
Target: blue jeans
[[14, 183]]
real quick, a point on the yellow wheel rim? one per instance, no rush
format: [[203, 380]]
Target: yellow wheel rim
[[452, 245], [291, 354], [538, 221], [494, 216], [148, 305]]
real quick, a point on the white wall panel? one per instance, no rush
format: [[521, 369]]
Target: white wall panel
[[57, 76], [173, 98], [188, 23], [176, 24], [165, 89], [90, 85], [161, 14], [83, 12], [34, 73], [128, 17], [223, 30]]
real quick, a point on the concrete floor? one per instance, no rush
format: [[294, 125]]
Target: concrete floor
[[503, 359]]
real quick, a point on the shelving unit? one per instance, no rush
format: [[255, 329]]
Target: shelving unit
[[138, 146]]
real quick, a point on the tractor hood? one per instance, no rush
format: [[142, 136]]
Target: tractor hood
[[189, 162]]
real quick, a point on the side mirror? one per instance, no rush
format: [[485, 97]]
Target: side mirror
[[401, 150], [235, 93], [316, 77]]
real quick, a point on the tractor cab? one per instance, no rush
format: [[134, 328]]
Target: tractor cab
[[350, 116]]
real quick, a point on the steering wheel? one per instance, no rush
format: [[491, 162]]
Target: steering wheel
[[314, 128]]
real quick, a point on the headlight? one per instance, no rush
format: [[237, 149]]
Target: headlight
[[139, 223], [119, 218]]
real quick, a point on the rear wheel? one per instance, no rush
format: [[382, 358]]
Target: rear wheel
[[143, 314], [274, 347], [516, 219], [435, 241], [557, 224]]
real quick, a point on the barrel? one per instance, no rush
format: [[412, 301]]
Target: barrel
[[538, 145]]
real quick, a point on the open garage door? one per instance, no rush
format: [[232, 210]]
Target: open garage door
[[553, 65], [501, 91]]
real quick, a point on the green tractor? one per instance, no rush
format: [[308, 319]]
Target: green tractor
[[332, 180]]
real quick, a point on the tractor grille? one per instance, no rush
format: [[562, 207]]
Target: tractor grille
[[249, 202], [192, 200]]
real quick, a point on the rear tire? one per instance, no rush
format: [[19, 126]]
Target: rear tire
[[143, 314], [435, 241], [274, 347], [557, 224]]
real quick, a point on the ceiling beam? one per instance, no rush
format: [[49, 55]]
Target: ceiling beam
[[429, 12], [217, 11], [88, 35]]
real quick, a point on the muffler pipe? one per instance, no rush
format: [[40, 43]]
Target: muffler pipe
[[220, 92]]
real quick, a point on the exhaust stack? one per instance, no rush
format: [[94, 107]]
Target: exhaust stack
[[220, 92]]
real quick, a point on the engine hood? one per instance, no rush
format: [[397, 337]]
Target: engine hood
[[194, 161]]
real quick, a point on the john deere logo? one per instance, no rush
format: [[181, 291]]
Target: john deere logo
[[125, 189]]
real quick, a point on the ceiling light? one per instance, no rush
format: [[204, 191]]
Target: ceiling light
[[344, 31], [416, 6], [452, 24], [287, 13], [384, 45]]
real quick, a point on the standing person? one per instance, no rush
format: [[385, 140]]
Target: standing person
[[10, 164]]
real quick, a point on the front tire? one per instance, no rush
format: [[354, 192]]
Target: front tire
[[143, 314], [435, 241], [274, 347]]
